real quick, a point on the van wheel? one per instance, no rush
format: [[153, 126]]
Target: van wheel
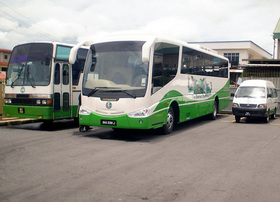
[[168, 127], [266, 119], [272, 116], [237, 119]]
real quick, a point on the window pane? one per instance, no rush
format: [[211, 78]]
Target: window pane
[[62, 53], [65, 101], [165, 63], [56, 102], [57, 74], [65, 74]]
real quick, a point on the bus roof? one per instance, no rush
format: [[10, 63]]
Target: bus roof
[[151, 39]]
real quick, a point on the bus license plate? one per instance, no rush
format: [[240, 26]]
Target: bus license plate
[[108, 122]]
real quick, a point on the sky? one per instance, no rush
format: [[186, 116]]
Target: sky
[[73, 21]]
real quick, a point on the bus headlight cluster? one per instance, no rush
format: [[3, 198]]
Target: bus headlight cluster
[[84, 111], [8, 101], [140, 113], [43, 102]]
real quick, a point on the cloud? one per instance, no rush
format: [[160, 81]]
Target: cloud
[[189, 20], [7, 25]]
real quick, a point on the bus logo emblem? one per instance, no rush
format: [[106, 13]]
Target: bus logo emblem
[[108, 105], [22, 90]]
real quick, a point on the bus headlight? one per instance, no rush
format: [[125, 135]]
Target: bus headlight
[[262, 106], [8, 101], [84, 111], [140, 113]]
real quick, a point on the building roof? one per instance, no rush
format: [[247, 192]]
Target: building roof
[[5, 50], [276, 33], [229, 45]]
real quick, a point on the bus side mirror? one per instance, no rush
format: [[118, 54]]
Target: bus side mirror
[[146, 50], [232, 94], [74, 51], [269, 95]]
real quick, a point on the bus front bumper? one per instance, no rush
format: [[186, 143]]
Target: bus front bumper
[[121, 121], [33, 112]]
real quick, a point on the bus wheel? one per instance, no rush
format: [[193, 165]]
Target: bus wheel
[[168, 127], [83, 128], [213, 115]]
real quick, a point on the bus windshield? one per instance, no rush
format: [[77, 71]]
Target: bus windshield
[[115, 70], [251, 92], [30, 65]]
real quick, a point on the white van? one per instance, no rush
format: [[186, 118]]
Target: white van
[[255, 98]]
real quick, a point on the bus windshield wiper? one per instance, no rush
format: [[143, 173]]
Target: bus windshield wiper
[[117, 90], [19, 74], [92, 92], [130, 94], [125, 91], [95, 90]]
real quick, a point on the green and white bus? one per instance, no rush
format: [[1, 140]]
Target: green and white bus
[[41, 84], [149, 83]]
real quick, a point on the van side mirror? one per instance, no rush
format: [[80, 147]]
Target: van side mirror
[[269, 95], [232, 94]]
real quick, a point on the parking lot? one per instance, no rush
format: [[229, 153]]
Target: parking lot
[[201, 160]]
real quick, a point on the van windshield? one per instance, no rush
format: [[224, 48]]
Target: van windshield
[[251, 92]]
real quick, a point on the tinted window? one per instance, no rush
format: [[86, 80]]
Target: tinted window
[[62, 53], [197, 63], [165, 63], [78, 66], [65, 74], [57, 74]]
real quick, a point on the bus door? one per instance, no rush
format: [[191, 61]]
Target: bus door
[[62, 94]]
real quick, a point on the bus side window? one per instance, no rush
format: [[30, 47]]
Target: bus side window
[[165, 64], [65, 74], [76, 73], [78, 66], [187, 61], [57, 74]]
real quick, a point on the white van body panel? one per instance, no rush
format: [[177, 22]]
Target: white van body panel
[[261, 100]]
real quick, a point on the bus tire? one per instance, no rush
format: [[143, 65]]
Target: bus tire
[[83, 128], [213, 115], [168, 127]]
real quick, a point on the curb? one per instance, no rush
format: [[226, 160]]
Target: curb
[[15, 121]]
